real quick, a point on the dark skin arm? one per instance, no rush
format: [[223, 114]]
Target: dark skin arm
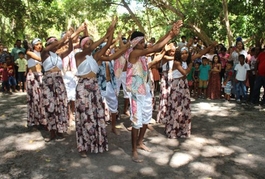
[[136, 53], [179, 67], [203, 52], [157, 58]]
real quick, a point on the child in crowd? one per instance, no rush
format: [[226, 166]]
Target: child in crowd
[[11, 73], [227, 84], [203, 77], [214, 85], [195, 77], [21, 62], [241, 69], [4, 73], [190, 81]]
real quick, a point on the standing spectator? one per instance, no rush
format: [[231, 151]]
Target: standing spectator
[[3, 53], [254, 52], [14, 55], [203, 77], [224, 56], [228, 80], [21, 63], [4, 74], [183, 42], [195, 76], [214, 85], [11, 73], [260, 79], [241, 70], [239, 49]]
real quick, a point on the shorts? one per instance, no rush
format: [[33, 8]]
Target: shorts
[[203, 84], [122, 81], [21, 77], [110, 97], [141, 108], [228, 88], [12, 81]]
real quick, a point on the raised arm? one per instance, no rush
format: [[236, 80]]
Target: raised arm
[[204, 51], [157, 58]]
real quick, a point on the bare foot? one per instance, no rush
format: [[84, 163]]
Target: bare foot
[[135, 158], [83, 154], [115, 131], [143, 147]]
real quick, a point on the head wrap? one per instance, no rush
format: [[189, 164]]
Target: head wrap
[[135, 41], [51, 40], [35, 41], [84, 40], [184, 49]]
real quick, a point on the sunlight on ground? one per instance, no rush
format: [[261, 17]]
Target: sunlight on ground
[[180, 159], [148, 171], [116, 168]]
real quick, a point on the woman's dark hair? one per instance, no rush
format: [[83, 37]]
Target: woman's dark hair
[[243, 47], [136, 34], [223, 49], [177, 57], [218, 61], [27, 46]]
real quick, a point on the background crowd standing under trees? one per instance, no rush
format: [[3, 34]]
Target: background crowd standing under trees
[[219, 20]]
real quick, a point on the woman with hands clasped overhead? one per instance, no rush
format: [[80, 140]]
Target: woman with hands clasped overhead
[[89, 109], [54, 92]]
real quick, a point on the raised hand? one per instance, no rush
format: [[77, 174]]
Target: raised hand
[[176, 27], [167, 47]]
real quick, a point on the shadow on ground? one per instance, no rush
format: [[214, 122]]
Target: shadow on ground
[[227, 142]]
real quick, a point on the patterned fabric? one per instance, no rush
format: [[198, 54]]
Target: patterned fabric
[[55, 102], [165, 88], [36, 111], [70, 82], [141, 108], [137, 76], [101, 75], [214, 86], [178, 116], [119, 65], [89, 117]]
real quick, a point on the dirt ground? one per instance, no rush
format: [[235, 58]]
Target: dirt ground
[[227, 142]]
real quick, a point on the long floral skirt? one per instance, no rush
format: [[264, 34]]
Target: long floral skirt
[[36, 111], [90, 117], [165, 87], [55, 102], [178, 119], [214, 86]]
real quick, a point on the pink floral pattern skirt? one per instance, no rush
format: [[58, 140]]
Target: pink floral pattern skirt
[[36, 112], [90, 117], [55, 102], [178, 119]]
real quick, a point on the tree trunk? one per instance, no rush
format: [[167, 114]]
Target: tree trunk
[[135, 19], [227, 23]]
